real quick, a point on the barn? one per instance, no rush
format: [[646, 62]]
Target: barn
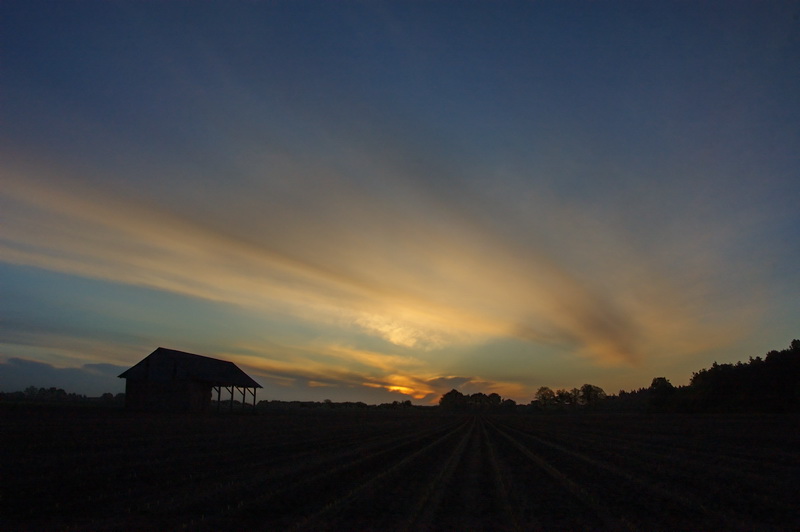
[[174, 381]]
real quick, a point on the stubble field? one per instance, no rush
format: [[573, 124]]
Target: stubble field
[[97, 469]]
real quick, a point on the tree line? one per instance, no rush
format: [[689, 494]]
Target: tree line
[[769, 385], [588, 396], [764, 385], [33, 394], [455, 400]]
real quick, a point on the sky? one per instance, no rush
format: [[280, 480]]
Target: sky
[[379, 201]]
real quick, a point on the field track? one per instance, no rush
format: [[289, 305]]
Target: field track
[[96, 469]]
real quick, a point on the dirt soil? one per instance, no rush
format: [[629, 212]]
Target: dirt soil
[[106, 469]]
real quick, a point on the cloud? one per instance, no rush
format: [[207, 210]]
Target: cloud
[[347, 368], [440, 383], [424, 275], [334, 366], [16, 374]]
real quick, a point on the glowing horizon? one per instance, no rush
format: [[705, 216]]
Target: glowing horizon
[[389, 224]]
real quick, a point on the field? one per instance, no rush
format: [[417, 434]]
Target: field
[[105, 469]]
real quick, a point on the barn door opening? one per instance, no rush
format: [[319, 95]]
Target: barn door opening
[[232, 392]]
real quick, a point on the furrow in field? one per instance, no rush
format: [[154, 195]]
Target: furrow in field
[[430, 498], [476, 493], [761, 441], [79, 469], [279, 503], [285, 493], [677, 455], [623, 494], [727, 492], [568, 485], [149, 479], [501, 480], [158, 482], [379, 499], [225, 490]]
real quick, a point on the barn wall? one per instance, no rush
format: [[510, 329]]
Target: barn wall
[[167, 396]]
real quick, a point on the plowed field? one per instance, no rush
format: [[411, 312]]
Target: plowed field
[[94, 469]]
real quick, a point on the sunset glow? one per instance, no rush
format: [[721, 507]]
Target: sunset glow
[[391, 201]]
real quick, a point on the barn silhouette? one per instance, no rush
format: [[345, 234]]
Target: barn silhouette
[[168, 380]]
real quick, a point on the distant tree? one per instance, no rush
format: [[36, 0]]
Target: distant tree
[[478, 401], [545, 397], [661, 385], [661, 394], [591, 395], [494, 400], [396, 404], [564, 399], [576, 397], [453, 400], [508, 405]]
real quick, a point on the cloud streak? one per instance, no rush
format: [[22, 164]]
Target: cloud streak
[[345, 367], [423, 276], [381, 208], [91, 379]]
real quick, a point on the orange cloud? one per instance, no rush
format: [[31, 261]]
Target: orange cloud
[[443, 279]]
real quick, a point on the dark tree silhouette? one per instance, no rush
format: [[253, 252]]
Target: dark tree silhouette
[[592, 395], [494, 400], [453, 400], [545, 397], [661, 394], [768, 385], [759, 385], [508, 405], [564, 399]]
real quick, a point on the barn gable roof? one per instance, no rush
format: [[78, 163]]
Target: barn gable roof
[[168, 364]]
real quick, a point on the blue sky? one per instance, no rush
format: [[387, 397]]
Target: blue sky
[[384, 200]]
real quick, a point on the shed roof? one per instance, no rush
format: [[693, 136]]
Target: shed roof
[[168, 364]]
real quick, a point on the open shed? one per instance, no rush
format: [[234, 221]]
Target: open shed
[[170, 380]]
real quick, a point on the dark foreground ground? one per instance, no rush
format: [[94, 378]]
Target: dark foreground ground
[[96, 469]]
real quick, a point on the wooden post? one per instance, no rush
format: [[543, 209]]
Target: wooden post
[[219, 392], [231, 406]]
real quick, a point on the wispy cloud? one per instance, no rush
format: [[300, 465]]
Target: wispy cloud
[[399, 377], [91, 379], [366, 211], [424, 276]]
